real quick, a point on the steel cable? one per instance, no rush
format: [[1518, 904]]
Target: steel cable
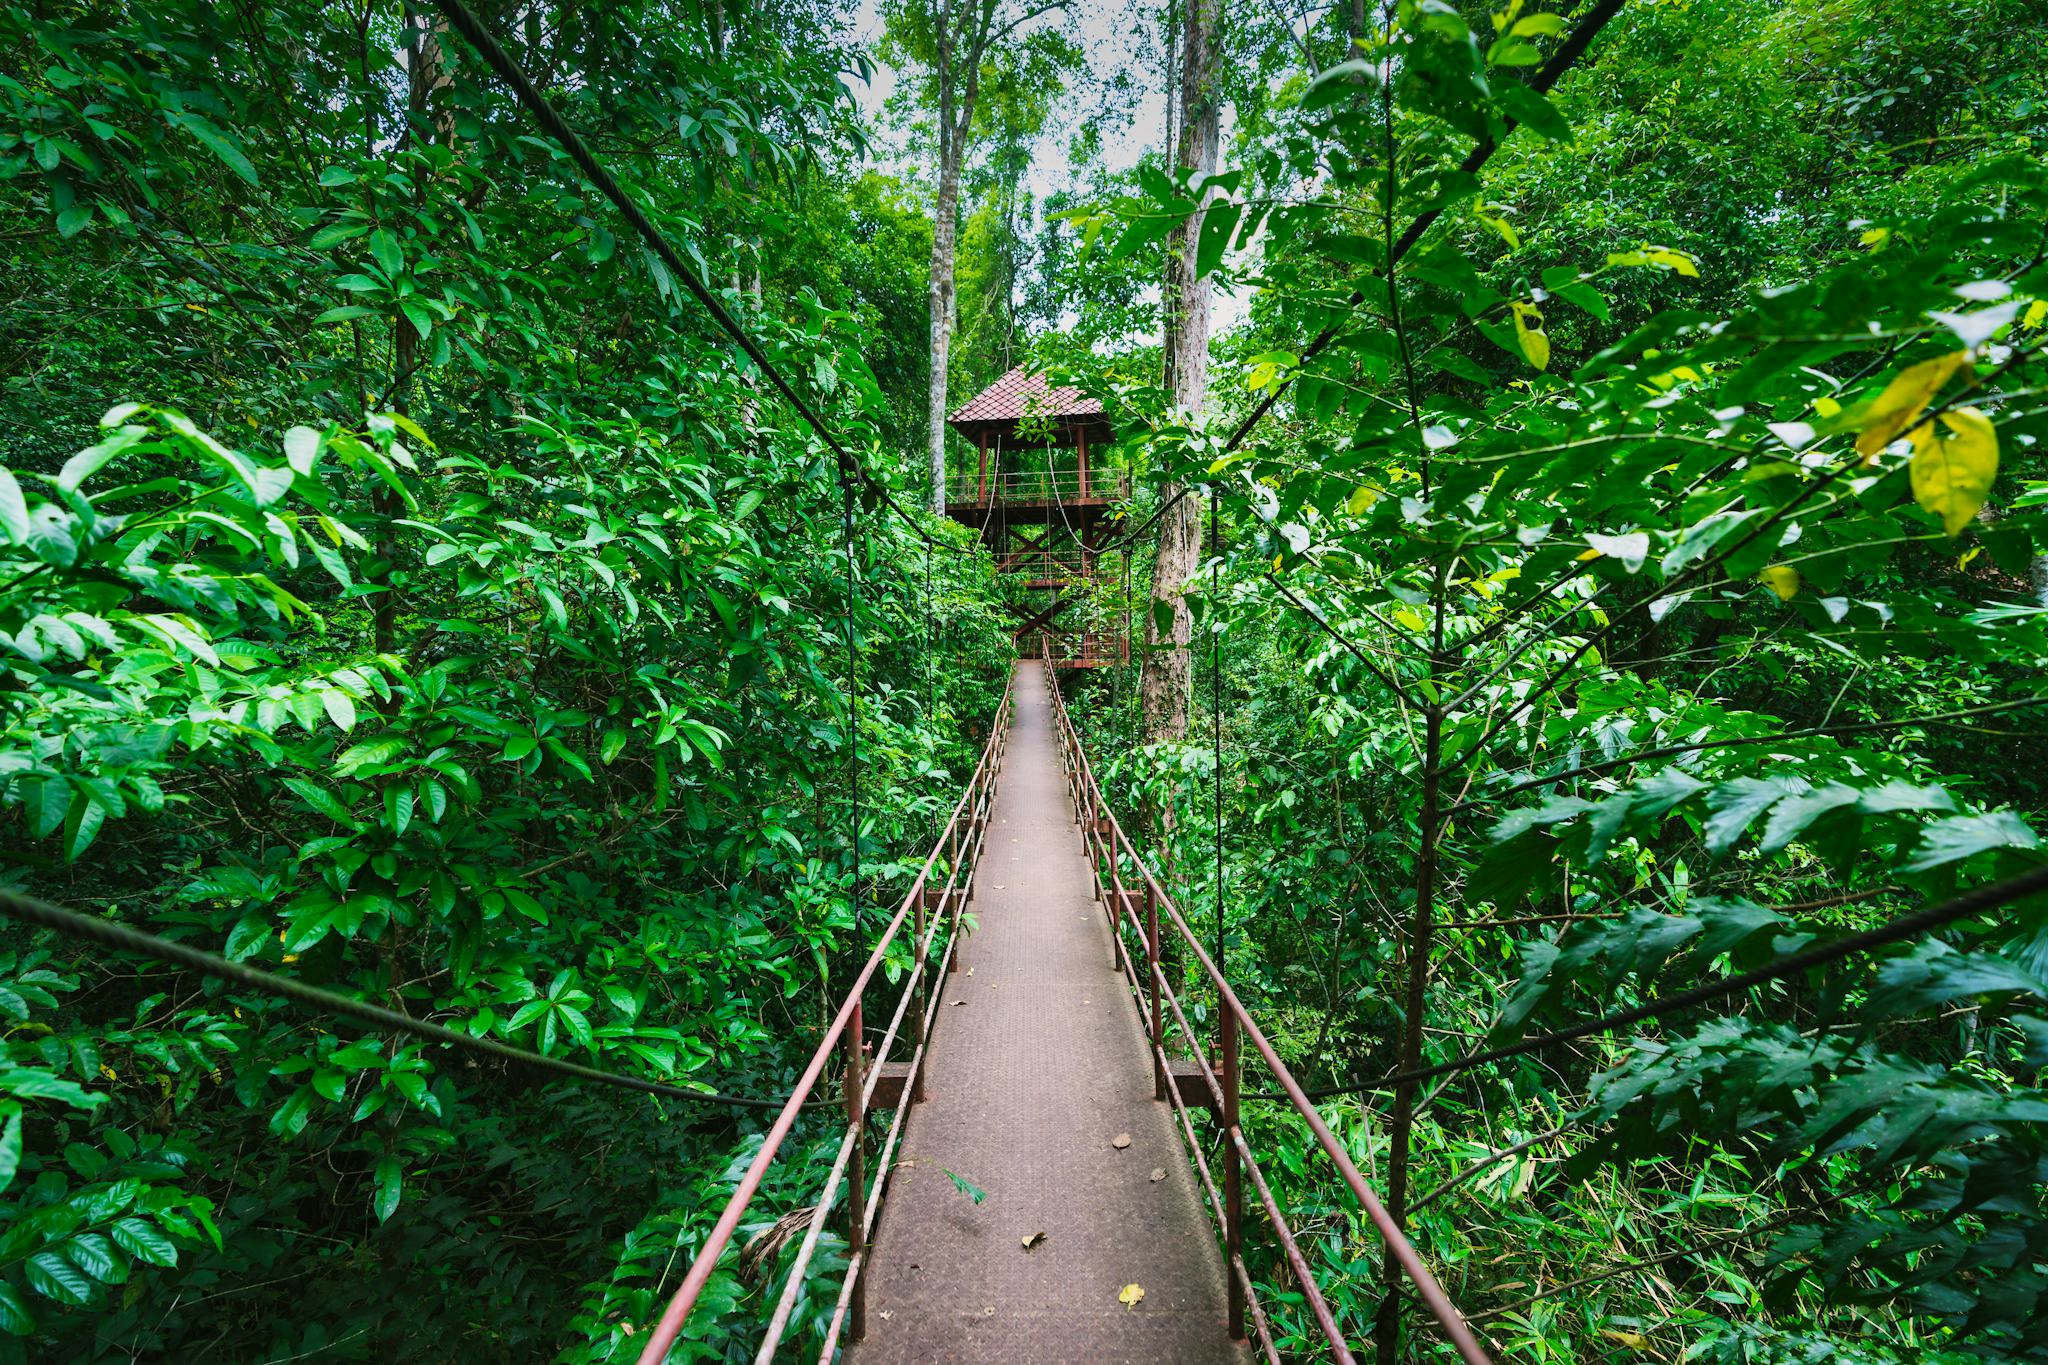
[[127, 939], [1919, 922], [465, 22]]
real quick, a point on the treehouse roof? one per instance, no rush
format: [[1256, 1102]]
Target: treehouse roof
[[1018, 395]]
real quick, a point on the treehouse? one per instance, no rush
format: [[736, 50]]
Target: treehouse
[[1041, 505]]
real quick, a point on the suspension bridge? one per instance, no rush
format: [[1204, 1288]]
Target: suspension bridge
[[1041, 1155], [1044, 1108]]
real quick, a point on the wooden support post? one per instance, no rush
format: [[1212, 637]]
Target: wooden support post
[[1233, 1182], [856, 1171]]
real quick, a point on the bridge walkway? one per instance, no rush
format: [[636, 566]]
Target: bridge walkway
[[1038, 1066]]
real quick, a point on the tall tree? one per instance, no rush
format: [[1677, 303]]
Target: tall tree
[[1185, 352], [952, 41]]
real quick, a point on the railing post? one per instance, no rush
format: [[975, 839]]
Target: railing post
[[1152, 990], [1233, 1184], [856, 1172]]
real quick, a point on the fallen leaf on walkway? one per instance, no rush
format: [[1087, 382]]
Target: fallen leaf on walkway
[[1133, 1295], [1120, 1141], [1158, 1174], [967, 1187], [959, 1002], [1032, 1239]]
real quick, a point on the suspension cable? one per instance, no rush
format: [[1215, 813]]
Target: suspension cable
[[1216, 714], [127, 939], [461, 18], [1908, 926], [852, 691]]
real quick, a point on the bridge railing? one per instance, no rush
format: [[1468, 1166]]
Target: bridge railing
[[1036, 486], [1139, 907], [935, 899]]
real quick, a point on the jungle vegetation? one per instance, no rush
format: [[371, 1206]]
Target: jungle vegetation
[[1637, 571]]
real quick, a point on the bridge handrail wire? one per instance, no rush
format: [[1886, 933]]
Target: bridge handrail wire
[[845, 1034], [1105, 838], [465, 21], [128, 939]]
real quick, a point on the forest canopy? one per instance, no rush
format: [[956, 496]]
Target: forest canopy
[[1579, 543]]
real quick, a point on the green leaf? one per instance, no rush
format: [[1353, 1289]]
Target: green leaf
[[1219, 225], [142, 1241], [13, 509], [385, 252], [82, 824], [92, 1254], [966, 1186], [72, 221], [226, 148], [344, 314], [398, 807], [10, 1143], [1733, 805], [56, 1278], [321, 800], [390, 1186], [334, 234], [1960, 836], [15, 1319]]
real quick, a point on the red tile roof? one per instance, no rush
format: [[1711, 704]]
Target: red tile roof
[[1018, 391]]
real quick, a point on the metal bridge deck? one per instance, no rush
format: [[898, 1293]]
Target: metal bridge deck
[[1037, 1065]]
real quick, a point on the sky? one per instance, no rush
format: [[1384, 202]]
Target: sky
[[1110, 32]]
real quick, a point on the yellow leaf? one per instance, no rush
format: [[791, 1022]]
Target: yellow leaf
[[1674, 260], [1529, 335], [1635, 1341], [1133, 1295], [1781, 579], [1952, 474], [1876, 236], [1826, 406], [1361, 498], [2037, 313], [1585, 555], [1903, 400]]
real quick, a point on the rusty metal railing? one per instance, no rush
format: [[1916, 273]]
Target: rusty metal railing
[[1046, 566], [930, 903], [1084, 649], [1037, 486], [1137, 910]]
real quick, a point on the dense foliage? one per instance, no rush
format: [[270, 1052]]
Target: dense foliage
[[439, 612], [1673, 505], [403, 586]]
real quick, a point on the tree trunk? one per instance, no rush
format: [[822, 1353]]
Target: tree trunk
[[954, 123], [2039, 570], [1185, 353], [942, 314]]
